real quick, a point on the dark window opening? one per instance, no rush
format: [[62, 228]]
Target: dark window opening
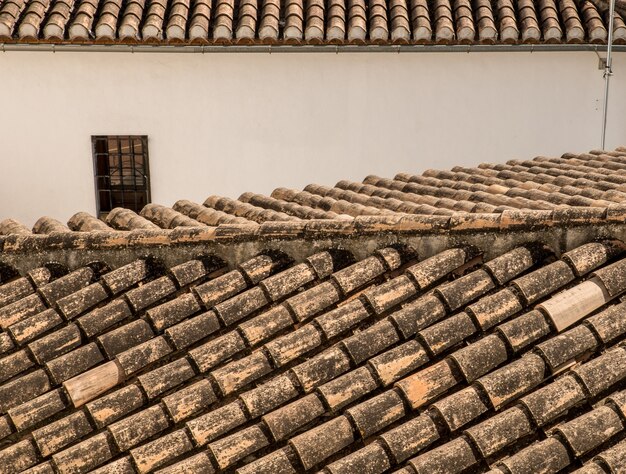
[[121, 170]]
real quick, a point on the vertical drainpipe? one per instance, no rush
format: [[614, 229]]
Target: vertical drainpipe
[[608, 72]]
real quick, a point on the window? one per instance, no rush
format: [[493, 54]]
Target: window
[[121, 172]]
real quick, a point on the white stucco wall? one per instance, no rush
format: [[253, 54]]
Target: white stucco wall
[[229, 123]]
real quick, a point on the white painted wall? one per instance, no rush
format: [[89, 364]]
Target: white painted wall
[[229, 123]]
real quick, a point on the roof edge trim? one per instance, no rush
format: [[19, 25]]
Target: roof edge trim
[[271, 49], [454, 225]]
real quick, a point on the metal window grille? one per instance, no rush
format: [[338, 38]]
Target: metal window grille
[[122, 173]]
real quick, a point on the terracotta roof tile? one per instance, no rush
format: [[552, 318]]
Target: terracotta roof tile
[[453, 457], [106, 25], [33, 411], [73, 363], [121, 466], [500, 431], [85, 455], [20, 456], [113, 406], [551, 401], [22, 389], [158, 452], [100, 319], [33, 326], [231, 449], [56, 343], [55, 436]]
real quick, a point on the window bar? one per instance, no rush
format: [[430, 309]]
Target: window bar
[[94, 152], [145, 172], [133, 171], [121, 167], [108, 173]]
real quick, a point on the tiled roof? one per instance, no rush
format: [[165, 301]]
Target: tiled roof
[[583, 188], [498, 349], [310, 22]]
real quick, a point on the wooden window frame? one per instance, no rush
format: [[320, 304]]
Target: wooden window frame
[[121, 172]]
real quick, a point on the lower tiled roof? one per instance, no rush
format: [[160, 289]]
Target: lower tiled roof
[[387, 362], [470, 320], [312, 22]]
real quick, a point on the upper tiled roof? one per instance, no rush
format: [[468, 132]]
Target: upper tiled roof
[[484, 341], [306, 22]]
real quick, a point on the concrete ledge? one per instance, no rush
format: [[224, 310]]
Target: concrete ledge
[[492, 233]]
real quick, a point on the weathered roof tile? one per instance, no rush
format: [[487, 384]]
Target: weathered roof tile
[[395, 363], [323, 367], [55, 436], [240, 373], [210, 354], [37, 409], [600, 373], [458, 409], [181, 404], [130, 431], [495, 308], [512, 380], [427, 384], [125, 337], [371, 341], [410, 437], [217, 422], [113, 406], [174, 311], [552, 400], [452, 457], [158, 452], [85, 455], [22, 389], [347, 388], [447, 333], [233, 448], [590, 430], [102, 318], [317, 444], [371, 459], [480, 357], [20, 456], [263, 398], [160, 380], [142, 355], [525, 329], [499, 431], [193, 330]]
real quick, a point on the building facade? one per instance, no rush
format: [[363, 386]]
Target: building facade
[[305, 105]]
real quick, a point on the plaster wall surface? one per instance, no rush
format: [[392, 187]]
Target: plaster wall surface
[[233, 122]]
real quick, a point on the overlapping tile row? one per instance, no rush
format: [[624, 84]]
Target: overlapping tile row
[[311, 22], [56, 346], [583, 188], [48, 337], [592, 180], [471, 364], [574, 185], [584, 183], [278, 366]]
